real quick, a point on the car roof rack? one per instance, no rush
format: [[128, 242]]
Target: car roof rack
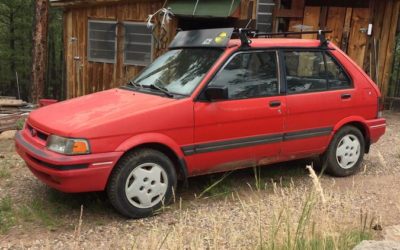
[[246, 34]]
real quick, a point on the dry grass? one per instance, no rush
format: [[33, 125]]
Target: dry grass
[[289, 218]]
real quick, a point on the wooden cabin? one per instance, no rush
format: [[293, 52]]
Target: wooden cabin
[[107, 42]]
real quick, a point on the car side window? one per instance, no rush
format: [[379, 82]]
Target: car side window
[[249, 75], [305, 71], [337, 78]]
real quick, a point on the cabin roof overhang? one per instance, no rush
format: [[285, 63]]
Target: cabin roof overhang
[[77, 3]]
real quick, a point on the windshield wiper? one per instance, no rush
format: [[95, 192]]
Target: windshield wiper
[[135, 84], [161, 89]]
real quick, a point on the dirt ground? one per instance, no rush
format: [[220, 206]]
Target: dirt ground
[[237, 213]]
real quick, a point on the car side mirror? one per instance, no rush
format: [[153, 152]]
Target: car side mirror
[[216, 93]]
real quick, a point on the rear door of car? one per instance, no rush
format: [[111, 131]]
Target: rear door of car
[[320, 93], [246, 129]]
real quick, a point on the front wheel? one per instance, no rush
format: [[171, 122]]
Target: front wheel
[[346, 152], [141, 183]]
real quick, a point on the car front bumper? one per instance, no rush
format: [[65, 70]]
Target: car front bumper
[[70, 174]]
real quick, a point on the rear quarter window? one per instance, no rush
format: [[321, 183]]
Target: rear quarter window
[[313, 71]]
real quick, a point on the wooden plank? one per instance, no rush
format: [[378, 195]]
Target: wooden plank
[[346, 29], [390, 49], [335, 22], [358, 40], [68, 52], [384, 40], [311, 19], [323, 17]]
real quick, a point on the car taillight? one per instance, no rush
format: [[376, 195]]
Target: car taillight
[[380, 107]]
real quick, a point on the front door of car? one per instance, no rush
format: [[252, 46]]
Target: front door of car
[[246, 128]]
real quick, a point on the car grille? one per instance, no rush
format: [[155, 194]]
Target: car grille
[[36, 133]]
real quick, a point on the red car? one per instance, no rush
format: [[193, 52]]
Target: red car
[[210, 104]]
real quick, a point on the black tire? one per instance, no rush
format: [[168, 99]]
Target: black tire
[[124, 171], [333, 167]]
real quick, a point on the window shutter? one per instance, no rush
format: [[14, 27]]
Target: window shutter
[[265, 9], [138, 44], [102, 41]]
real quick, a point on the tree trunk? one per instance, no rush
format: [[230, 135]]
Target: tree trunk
[[13, 67], [39, 56]]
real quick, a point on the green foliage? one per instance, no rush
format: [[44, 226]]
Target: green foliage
[[20, 123], [16, 27]]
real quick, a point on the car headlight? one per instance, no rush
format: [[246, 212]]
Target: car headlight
[[68, 146]]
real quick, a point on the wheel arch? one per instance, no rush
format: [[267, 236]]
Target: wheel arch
[[360, 124], [161, 143]]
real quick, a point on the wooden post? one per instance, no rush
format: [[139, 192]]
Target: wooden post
[[39, 51]]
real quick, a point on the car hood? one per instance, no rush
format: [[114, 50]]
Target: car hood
[[69, 117]]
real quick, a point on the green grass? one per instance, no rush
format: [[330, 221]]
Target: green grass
[[4, 172], [7, 219], [52, 208], [38, 211], [217, 186]]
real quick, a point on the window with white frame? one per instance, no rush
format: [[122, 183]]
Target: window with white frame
[[102, 41], [138, 44], [265, 9]]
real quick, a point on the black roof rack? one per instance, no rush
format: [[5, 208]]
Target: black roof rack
[[246, 34]]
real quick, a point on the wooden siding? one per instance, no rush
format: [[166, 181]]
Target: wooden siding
[[349, 25], [85, 77]]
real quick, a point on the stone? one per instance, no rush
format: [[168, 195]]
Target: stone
[[378, 245], [8, 135]]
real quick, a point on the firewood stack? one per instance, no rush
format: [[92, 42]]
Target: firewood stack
[[12, 111]]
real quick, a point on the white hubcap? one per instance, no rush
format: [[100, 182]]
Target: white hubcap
[[146, 185], [348, 151]]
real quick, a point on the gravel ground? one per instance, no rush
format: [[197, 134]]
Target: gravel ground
[[236, 214]]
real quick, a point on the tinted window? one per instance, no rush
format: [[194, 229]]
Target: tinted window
[[249, 75], [337, 78], [305, 71]]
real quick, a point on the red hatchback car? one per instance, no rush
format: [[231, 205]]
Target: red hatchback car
[[210, 104]]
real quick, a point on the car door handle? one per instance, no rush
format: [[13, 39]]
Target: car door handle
[[346, 96], [274, 104]]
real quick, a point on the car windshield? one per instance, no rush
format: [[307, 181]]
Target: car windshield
[[178, 71]]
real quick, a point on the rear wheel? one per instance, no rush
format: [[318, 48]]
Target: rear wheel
[[141, 183], [346, 152]]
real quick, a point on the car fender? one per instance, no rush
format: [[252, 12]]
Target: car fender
[[141, 139], [351, 119]]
